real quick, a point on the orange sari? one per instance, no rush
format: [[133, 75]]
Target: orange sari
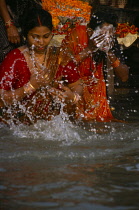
[[94, 104]]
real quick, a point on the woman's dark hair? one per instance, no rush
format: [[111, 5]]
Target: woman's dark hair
[[101, 17], [34, 18]]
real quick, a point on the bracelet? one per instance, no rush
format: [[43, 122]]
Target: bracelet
[[9, 23], [77, 97], [28, 88], [46, 76], [116, 63]]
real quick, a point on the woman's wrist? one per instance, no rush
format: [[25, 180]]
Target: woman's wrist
[[76, 98], [114, 61], [28, 88], [9, 23]]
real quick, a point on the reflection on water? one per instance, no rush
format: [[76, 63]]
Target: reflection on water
[[59, 165]]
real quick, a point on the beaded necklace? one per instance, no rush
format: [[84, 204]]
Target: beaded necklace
[[35, 60]]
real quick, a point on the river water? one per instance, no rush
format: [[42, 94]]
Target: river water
[[62, 166]]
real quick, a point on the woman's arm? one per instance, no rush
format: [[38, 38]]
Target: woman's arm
[[4, 11], [16, 81], [12, 32], [7, 97], [121, 70]]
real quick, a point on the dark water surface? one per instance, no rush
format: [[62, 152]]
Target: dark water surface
[[57, 165]]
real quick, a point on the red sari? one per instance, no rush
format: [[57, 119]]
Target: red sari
[[14, 74], [94, 105]]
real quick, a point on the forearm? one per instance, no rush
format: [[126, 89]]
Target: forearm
[[11, 96], [120, 69], [8, 97], [4, 11]]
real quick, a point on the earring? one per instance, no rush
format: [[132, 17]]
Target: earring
[[24, 39]]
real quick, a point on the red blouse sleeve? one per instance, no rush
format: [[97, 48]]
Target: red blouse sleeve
[[68, 73], [14, 72]]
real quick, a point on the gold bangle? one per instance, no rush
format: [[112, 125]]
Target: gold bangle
[[28, 88], [46, 76], [116, 63], [31, 86], [76, 98]]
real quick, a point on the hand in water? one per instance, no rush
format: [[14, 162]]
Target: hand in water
[[41, 78], [62, 94]]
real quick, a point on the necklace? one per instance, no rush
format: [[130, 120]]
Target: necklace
[[36, 62]]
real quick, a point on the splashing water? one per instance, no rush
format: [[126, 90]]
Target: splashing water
[[55, 164], [59, 164], [106, 44]]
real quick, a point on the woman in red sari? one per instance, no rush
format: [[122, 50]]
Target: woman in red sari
[[84, 53], [28, 90]]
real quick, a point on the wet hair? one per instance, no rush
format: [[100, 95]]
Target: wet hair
[[34, 18], [101, 17]]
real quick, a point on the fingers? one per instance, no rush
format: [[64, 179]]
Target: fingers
[[103, 42], [60, 94], [96, 41], [63, 88], [99, 39], [13, 35], [14, 39], [56, 93]]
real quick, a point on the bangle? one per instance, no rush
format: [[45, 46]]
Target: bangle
[[28, 88], [76, 98], [116, 63], [9, 23], [46, 76]]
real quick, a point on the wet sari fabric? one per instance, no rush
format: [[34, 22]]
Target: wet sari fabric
[[94, 105], [14, 74]]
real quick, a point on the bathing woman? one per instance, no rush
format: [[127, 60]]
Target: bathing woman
[[28, 73]]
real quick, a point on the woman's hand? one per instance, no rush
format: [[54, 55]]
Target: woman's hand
[[63, 94], [102, 38], [40, 78], [13, 34], [95, 42]]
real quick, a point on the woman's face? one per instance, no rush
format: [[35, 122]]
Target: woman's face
[[107, 28], [38, 38], [103, 36]]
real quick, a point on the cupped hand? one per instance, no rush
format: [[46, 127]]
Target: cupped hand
[[63, 94], [13, 35]]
